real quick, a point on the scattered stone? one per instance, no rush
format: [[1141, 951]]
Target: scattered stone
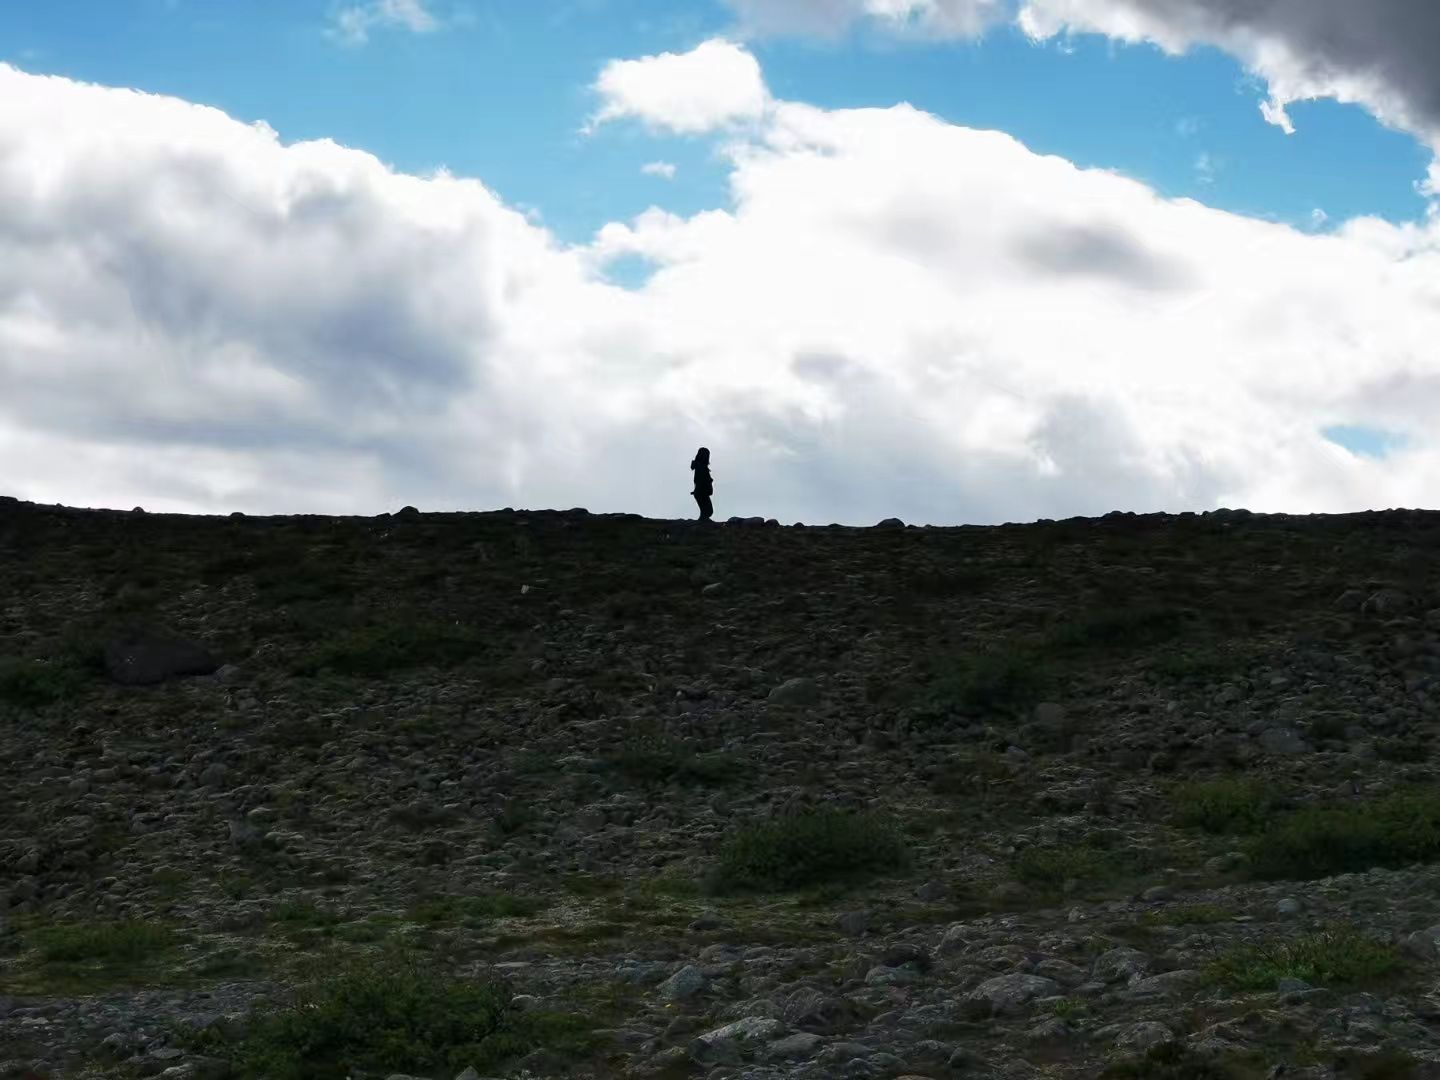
[[1120, 965], [796, 692], [1008, 994], [141, 657], [1142, 1038], [802, 1044], [684, 984], [1287, 742], [1289, 907]]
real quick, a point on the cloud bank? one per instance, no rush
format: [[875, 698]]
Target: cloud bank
[[894, 315], [1383, 55]]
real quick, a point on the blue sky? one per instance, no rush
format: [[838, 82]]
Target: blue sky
[[500, 91]]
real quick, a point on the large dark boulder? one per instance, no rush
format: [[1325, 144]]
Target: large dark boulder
[[144, 657]]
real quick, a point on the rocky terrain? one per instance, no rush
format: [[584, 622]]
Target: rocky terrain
[[557, 794]]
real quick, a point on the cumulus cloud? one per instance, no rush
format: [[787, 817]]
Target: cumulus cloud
[[352, 24], [828, 18], [1383, 55], [665, 170], [714, 85], [894, 315]]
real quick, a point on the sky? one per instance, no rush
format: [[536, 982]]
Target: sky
[[949, 260]]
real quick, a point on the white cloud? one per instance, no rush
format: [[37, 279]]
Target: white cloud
[[353, 24], [895, 316], [1383, 55], [663, 169], [714, 85], [829, 18]]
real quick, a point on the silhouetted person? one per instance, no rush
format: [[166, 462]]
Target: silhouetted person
[[704, 486]]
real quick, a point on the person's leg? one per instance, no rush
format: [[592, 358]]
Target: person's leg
[[707, 508]]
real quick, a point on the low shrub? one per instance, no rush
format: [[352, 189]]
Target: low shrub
[[812, 848], [389, 1013], [1120, 628], [1227, 805], [660, 760], [33, 684], [1173, 1062], [1397, 830], [1051, 867], [478, 908], [376, 651], [1007, 681], [1334, 956], [102, 943]]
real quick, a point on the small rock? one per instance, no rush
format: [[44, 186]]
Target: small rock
[[1052, 1030], [145, 657], [1007, 994], [795, 692], [853, 923], [1288, 907], [1166, 984], [932, 891], [1157, 894], [684, 984], [800, 1045], [715, 588], [1120, 965], [1284, 741], [1142, 1038]]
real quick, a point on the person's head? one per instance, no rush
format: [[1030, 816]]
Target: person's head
[[702, 456]]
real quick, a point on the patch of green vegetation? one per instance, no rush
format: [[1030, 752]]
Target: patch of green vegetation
[[1006, 681], [1397, 830], [1175, 1062], [514, 816], [1385, 1065], [482, 907], [103, 944], [799, 850], [1227, 805], [1051, 867], [387, 1014], [379, 650], [305, 915], [1335, 956], [1068, 1007], [1192, 665], [660, 760], [1120, 627], [975, 774], [1186, 915], [33, 684]]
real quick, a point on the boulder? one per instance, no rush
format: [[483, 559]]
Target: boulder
[[684, 984], [140, 657], [1006, 994]]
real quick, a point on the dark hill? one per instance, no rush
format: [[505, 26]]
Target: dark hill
[[595, 795]]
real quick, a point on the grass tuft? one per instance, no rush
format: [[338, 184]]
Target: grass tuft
[[1335, 956], [389, 1014], [800, 850]]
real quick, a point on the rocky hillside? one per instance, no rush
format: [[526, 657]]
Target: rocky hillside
[[554, 794]]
